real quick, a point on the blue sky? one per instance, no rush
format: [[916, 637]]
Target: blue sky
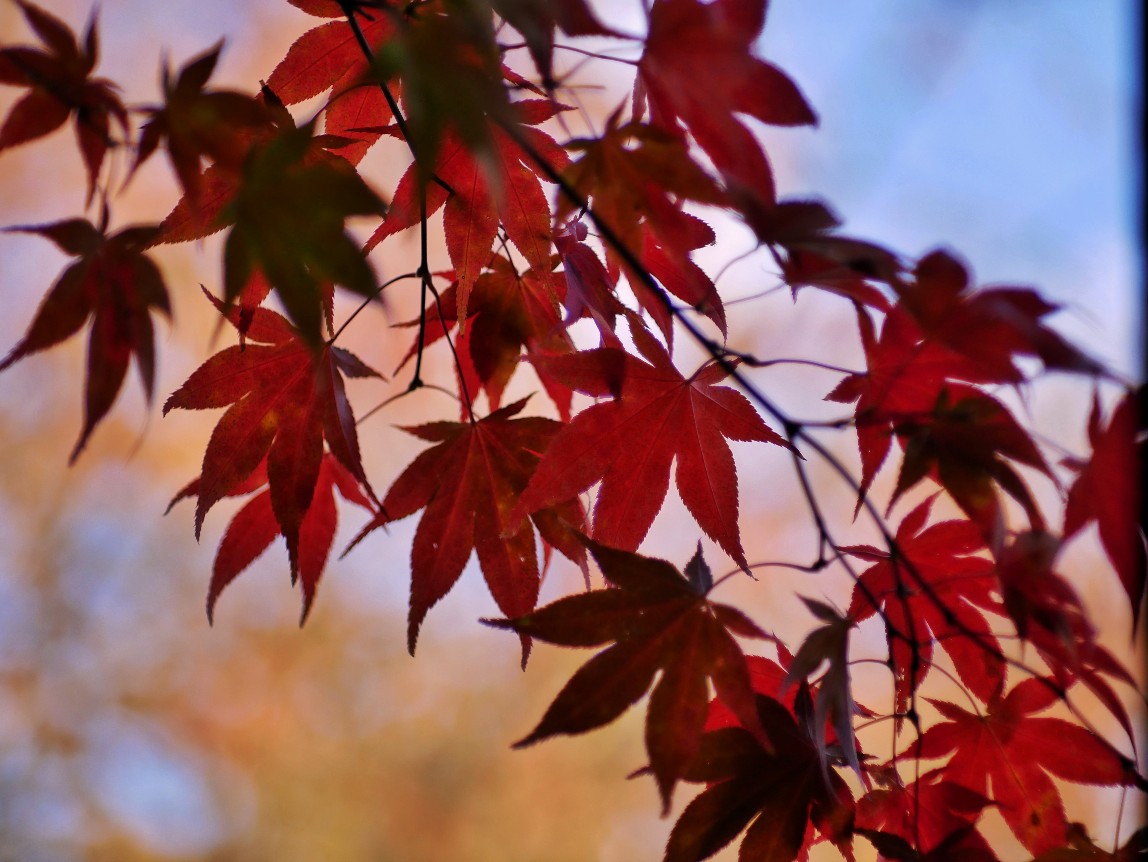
[[1006, 129]]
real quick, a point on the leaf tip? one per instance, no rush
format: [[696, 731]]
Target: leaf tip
[[497, 623], [412, 635], [80, 444], [528, 740]]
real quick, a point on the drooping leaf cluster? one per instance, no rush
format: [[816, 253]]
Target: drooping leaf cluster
[[570, 261]]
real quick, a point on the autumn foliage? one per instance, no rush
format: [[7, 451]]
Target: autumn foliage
[[570, 261]]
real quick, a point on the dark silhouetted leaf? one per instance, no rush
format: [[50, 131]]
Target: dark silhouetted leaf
[[658, 621], [115, 284]]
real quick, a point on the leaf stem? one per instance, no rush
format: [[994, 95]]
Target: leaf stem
[[348, 7], [766, 363], [457, 362], [516, 46], [424, 281], [393, 398], [368, 301]]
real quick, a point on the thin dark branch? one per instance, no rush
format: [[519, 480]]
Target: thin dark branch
[[794, 432], [750, 360], [457, 362], [393, 398], [424, 280], [368, 301], [348, 7], [517, 46]]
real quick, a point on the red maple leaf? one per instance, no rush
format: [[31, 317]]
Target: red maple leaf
[[321, 8], [963, 443], [955, 433], [766, 677], [59, 82], [935, 816], [220, 181], [1036, 597], [698, 69], [467, 483], [186, 223], [781, 795], [989, 327], [1046, 611], [197, 123], [939, 600], [449, 65], [509, 311], [802, 268], [774, 679], [327, 57], [666, 254], [114, 283], [1015, 752], [589, 285], [537, 21], [1108, 491], [904, 376], [658, 619], [255, 527], [809, 254], [630, 442], [289, 222], [636, 176], [352, 119], [503, 188], [285, 398]]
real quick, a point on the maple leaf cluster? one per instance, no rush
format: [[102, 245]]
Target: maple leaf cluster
[[571, 261]]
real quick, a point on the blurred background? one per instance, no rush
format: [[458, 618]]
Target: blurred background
[[131, 731]]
